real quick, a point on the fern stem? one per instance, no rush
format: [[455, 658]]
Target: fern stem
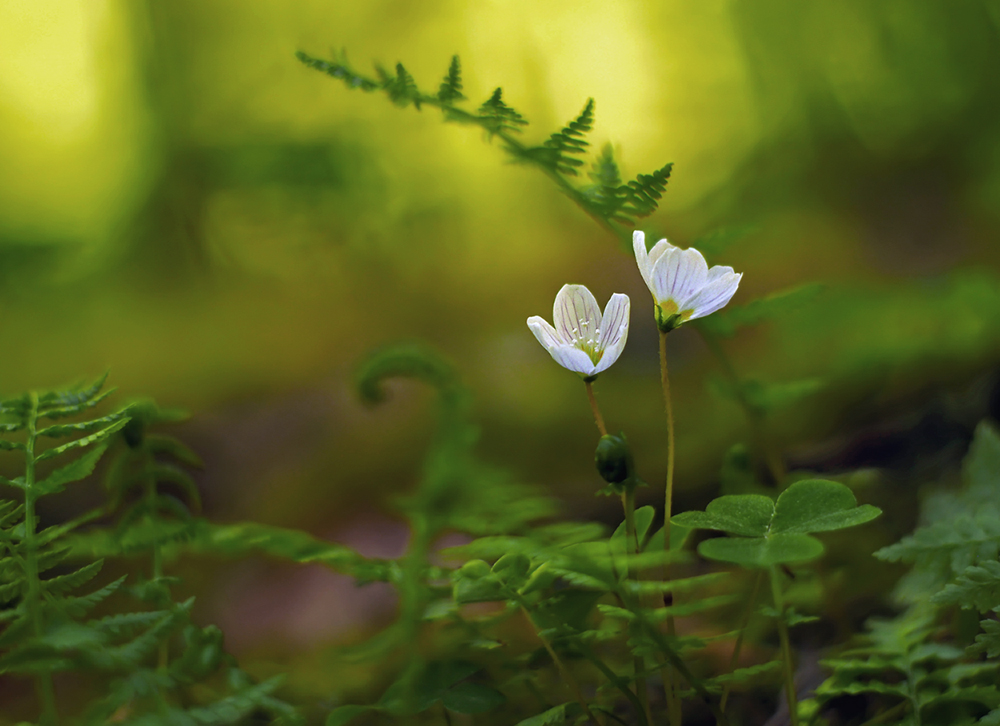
[[598, 419], [739, 638], [673, 703], [786, 650], [631, 548], [567, 676], [43, 681]]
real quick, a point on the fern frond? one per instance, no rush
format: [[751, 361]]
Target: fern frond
[[74, 471], [339, 69], [65, 583], [74, 409], [451, 87], [402, 89], [641, 196], [977, 587], [83, 442], [499, 118], [571, 140], [78, 606], [62, 430], [123, 624]]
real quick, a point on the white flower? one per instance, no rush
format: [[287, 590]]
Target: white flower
[[682, 285], [583, 340]]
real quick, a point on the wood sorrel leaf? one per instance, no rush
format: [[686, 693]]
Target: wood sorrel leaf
[[776, 549], [818, 505], [773, 533], [743, 514]]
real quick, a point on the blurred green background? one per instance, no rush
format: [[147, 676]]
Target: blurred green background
[[185, 204]]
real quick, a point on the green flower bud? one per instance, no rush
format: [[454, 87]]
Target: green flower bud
[[614, 459]]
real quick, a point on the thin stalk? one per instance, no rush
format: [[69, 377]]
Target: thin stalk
[[739, 638], [678, 664], [786, 650], [598, 419], [644, 717], [896, 710], [631, 548], [673, 703], [163, 655], [567, 676], [43, 680]]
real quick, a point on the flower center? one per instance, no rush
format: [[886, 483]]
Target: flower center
[[587, 340]]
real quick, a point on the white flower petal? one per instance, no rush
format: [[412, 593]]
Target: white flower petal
[[678, 274], [713, 296], [642, 257], [572, 358], [615, 334], [718, 271], [658, 250], [576, 313], [544, 332], [614, 324]]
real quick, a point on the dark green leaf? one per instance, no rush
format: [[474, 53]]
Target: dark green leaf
[[85, 441], [472, 698], [818, 505], [762, 552], [742, 514], [74, 471]]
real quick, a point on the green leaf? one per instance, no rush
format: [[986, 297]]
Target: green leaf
[[818, 505], [741, 514], [85, 441], [472, 698], [72, 410], [60, 430], [977, 587], [64, 583], [988, 640], [345, 714], [777, 549], [74, 471], [553, 716]]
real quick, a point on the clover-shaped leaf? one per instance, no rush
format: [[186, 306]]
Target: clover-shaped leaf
[[775, 533]]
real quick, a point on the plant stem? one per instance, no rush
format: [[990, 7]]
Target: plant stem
[[644, 717], [896, 710], [739, 638], [43, 680], [673, 703], [598, 419], [786, 651], [631, 548], [163, 656], [567, 676]]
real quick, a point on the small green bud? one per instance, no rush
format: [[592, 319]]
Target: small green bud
[[614, 459]]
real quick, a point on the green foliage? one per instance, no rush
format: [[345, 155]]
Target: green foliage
[[614, 205], [769, 533], [914, 678], [964, 531]]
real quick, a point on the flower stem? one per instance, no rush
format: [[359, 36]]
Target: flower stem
[[598, 419], [786, 651], [673, 704], [567, 676], [631, 548], [43, 680], [739, 639]]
